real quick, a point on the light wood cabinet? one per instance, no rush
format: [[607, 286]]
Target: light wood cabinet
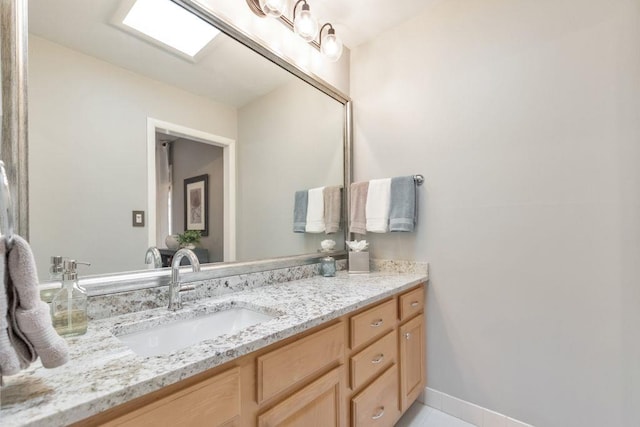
[[412, 360], [212, 402], [411, 303], [372, 323], [316, 405], [377, 405], [362, 369], [281, 369], [374, 359]]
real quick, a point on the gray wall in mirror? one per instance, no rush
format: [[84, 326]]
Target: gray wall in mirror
[[89, 100]]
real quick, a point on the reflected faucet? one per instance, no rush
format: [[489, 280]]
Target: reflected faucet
[[153, 257], [175, 287]]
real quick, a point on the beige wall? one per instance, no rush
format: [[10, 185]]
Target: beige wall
[[524, 118], [288, 140], [88, 154]]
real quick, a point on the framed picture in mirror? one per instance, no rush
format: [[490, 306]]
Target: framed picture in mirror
[[196, 204]]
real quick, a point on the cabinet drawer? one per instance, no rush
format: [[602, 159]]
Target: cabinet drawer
[[372, 323], [213, 402], [411, 303], [318, 404], [286, 366], [373, 359], [377, 405]]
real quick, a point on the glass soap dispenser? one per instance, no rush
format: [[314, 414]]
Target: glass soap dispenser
[[55, 275], [328, 263], [69, 306]]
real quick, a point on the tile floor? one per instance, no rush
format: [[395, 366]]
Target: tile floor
[[419, 415]]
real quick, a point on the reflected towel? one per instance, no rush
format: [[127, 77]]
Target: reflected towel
[[300, 211], [377, 208], [315, 211], [332, 208], [31, 316], [357, 216], [402, 209]]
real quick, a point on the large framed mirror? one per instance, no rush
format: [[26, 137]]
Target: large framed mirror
[[120, 124]]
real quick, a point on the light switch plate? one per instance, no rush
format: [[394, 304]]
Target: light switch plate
[[138, 218]]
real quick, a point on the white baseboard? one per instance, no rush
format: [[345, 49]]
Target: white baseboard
[[467, 411]]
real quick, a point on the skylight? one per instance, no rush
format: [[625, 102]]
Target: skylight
[[171, 25]]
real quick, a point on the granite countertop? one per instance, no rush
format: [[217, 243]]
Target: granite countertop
[[103, 372]]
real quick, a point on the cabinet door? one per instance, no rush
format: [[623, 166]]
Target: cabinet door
[[412, 360], [286, 366], [316, 405], [213, 402]]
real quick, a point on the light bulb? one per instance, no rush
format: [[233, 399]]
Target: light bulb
[[331, 46], [273, 8], [305, 25]]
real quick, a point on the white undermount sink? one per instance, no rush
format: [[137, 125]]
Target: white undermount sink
[[163, 339]]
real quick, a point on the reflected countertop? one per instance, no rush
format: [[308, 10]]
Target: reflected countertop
[[103, 372]]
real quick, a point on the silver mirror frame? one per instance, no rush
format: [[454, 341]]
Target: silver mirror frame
[[14, 149]]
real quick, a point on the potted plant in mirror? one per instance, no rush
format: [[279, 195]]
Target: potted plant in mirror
[[189, 239]]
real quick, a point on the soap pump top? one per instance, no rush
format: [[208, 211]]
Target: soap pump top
[[57, 267], [70, 270]]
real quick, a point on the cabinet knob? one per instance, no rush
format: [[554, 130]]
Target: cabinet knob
[[377, 323], [415, 303], [407, 335], [378, 414], [378, 359]]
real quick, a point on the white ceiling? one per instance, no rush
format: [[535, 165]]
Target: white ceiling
[[225, 71], [357, 21]]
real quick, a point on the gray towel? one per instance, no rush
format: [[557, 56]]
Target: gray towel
[[332, 208], [403, 208], [357, 215], [9, 362], [30, 316], [300, 211]]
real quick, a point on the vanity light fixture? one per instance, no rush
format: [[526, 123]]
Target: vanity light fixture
[[302, 23], [273, 8], [171, 25], [305, 24], [331, 46]]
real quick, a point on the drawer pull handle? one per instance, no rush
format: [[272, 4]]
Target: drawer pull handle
[[378, 359], [415, 304], [377, 323], [407, 335], [379, 414]]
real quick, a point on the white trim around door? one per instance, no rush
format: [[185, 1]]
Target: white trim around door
[[229, 153]]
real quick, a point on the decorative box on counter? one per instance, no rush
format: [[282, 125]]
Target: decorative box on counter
[[358, 257], [358, 262]]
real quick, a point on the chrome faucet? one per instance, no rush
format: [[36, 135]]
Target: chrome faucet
[[175, 287], [153, 257]]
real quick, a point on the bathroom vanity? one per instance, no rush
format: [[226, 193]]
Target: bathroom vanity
[[347, 350]]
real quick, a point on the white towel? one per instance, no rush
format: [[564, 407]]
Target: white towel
[[315, 211], [377, 208]]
